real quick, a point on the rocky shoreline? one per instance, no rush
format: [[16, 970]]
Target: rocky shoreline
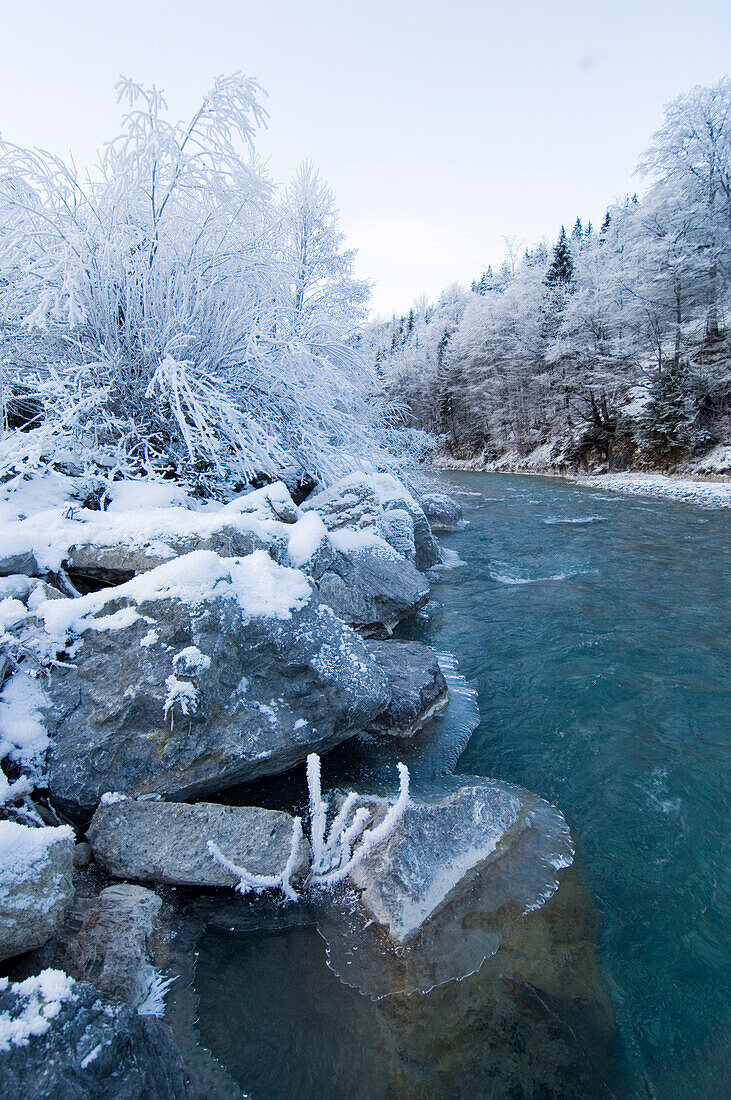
[[158, 654]]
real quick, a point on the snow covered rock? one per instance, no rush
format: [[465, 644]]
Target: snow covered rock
[[431, 855], [369, 584], [443, 513], [168, 841], [36, 886], [418, 687], [397, 528], [91, 565], [426, 548], [109, 547], [359, 503], [351, 502], [201, 674], [59, 1039], [110, 946], [17, 586]]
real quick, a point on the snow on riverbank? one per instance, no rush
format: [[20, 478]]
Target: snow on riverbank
[[708, 493]]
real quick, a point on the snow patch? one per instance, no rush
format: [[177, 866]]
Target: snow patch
[[23, 735], [260, 587], [38, 1002]]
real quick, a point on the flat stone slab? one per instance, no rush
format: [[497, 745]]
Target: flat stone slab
[[418, 687], [167, 841], [431, 855]]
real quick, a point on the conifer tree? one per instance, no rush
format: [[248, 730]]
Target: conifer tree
[[562, 266]]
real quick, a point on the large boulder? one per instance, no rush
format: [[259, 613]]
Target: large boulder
[[443, 513], [418, 687], [36, 888], [167, 842], [66, 1042], [199, 675]]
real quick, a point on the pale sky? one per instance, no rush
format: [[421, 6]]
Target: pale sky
[[441, 127]]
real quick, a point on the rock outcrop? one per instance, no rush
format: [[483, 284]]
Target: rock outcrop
[[443, 513], [36, 885], [167, 842]]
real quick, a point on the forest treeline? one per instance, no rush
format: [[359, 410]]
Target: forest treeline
[[608, 348]]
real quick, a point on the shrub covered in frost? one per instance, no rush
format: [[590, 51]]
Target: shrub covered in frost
[[191, 329]]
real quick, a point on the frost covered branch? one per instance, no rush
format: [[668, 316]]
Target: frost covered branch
[[334, 851], [258, 883]]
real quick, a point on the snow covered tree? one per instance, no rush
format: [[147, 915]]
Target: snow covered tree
[[692, 150], [194, 343], [320, 270]]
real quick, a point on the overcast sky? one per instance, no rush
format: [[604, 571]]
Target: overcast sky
[[441, 126]]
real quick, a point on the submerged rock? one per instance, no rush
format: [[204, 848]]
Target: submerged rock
[[167, 842], [442, 512], [429, 903], [224, 670], [85, 1048], [110, 946], [418, 687], [433, 851], [36, 885]]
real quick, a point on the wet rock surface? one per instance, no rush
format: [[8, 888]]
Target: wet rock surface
[[418, 687], [167, 842]]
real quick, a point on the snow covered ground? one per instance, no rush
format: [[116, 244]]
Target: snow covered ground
[[708, 493]]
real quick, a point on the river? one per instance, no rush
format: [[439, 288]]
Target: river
[[594, 627]]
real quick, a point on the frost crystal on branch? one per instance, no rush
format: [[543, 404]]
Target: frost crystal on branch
[[334, 851]]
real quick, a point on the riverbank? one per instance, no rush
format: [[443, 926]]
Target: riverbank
[[712, 489], [711, 494]]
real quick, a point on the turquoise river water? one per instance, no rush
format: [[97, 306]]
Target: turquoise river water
[[594, 627]]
